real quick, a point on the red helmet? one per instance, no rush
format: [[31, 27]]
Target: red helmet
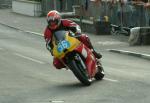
[[53, 19]]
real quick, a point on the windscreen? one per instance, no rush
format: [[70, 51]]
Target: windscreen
[[60, 35]]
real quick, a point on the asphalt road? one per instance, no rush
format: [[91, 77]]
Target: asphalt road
[[27, 75]]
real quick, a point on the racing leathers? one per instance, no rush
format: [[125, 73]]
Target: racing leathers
[[67, 25]]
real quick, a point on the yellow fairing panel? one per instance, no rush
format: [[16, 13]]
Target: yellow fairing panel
[[65, 46]]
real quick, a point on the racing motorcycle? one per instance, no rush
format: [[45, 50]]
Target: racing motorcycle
[[76, 56]]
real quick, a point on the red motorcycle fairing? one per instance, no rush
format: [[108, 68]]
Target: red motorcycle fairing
[[90, 59]]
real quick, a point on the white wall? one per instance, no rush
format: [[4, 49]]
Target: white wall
[[27, 8]]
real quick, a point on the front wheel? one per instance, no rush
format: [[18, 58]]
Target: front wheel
[[78, 67]]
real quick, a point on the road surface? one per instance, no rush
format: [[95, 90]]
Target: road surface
[[28, 76]]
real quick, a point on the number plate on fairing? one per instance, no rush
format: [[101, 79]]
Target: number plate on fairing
[[62, 46]]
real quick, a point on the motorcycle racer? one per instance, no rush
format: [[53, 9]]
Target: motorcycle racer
[[56, 23]]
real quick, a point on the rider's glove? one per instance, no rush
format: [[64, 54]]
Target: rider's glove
[[48, 46], [75, 29], [78, 29]]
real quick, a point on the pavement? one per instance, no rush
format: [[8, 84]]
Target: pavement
[[36, 25]]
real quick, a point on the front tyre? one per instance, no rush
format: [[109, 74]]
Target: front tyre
[[79, 69]]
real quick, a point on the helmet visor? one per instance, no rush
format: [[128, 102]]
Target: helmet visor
[[53, 22]]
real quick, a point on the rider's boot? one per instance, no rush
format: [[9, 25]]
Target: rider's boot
[[97, 55]]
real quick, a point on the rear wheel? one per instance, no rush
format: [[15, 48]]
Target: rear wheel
[[100, 74]]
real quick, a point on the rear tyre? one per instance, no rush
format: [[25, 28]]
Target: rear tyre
[[100, 74]]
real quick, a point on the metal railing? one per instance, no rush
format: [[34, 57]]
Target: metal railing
[[127, 15], [60, 5]]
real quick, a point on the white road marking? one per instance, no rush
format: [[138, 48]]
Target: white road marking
[[29, 58], [109, 42], [57, 101], [34, 33], [112, 80]]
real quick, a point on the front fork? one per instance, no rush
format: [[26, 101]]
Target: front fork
[[78, 58]]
